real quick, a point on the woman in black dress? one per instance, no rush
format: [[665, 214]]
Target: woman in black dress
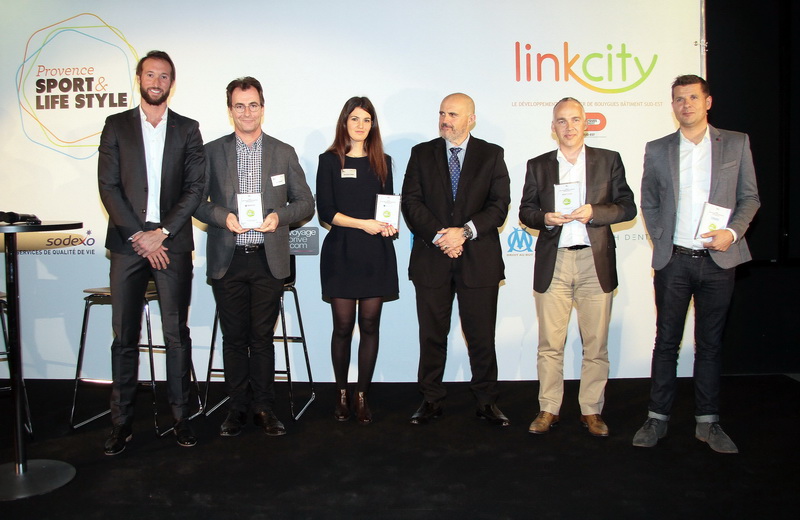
[[358, 267]]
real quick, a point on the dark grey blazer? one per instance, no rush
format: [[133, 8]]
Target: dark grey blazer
[[122, 178], [292, 201], [608, 193], [733, 185]]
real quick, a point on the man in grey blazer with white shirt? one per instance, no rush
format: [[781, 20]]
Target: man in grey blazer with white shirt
[[150, 175], [248, 263], [684, 171]]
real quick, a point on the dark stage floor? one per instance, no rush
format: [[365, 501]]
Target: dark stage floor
[[457, 467]]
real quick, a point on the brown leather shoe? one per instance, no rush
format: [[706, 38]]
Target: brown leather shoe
[[363, 413], [595, 425], [543, 422], [342, 410]]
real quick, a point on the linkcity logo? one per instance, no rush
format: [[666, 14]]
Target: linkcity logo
[[611, 72], [74, 73], [520, 241]]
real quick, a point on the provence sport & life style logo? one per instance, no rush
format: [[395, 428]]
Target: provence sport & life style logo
[[74, 73]]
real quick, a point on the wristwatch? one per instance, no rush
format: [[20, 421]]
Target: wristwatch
[[467, 233]]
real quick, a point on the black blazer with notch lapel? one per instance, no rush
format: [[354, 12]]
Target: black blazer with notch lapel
[[289, 197], [483, 197], [122, 178], [608, 193]]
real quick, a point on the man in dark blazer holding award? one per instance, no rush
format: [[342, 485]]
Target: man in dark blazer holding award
[[575, 260], [150, 174], [684, 172], [456, 194], [255, 188]]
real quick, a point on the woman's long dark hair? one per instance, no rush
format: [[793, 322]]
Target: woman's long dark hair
[[373, 146]]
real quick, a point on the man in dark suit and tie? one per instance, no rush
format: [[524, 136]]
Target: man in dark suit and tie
[[150, 173], [248, 262], [455, 195], [683, 173], [575, 260]]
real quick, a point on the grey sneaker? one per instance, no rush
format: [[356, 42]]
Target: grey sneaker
[[648, 435], [716, 438]]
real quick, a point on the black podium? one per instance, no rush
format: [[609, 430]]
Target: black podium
[[23, 478]]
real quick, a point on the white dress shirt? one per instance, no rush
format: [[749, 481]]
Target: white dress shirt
[[153, 138], [460, 156], [573, 233], [694, 189]]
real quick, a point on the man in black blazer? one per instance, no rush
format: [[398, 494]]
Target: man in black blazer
[[150, 174], [455, 195], [575, 260], [698, 164], [247, 264]]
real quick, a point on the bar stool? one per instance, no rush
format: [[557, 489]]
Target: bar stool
[[102, 296], [4, 356], [288, 286], [3, 305]]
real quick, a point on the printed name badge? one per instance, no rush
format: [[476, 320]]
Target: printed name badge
[[348, 173], [278, 180]]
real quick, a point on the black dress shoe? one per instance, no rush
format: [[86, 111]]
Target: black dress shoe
[[121, 434], [233, 424], [272, 426], [426, 411], [184, 434], [492, 413]]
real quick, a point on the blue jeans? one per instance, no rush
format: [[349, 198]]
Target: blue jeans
[[711, 286]]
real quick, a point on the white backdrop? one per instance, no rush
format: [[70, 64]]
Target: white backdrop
[[618, 57]]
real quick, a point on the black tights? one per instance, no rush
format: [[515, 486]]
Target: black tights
[[344, 319]]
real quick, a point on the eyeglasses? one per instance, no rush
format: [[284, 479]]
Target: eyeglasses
[[239, 107]]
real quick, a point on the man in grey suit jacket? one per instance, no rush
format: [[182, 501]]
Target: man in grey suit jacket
[[575, 261], [150, 175], [683, 171], [247, 264]]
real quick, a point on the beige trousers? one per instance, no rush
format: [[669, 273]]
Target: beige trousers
[[574, 282]]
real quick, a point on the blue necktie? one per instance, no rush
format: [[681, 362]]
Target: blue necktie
[[455, 170]]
